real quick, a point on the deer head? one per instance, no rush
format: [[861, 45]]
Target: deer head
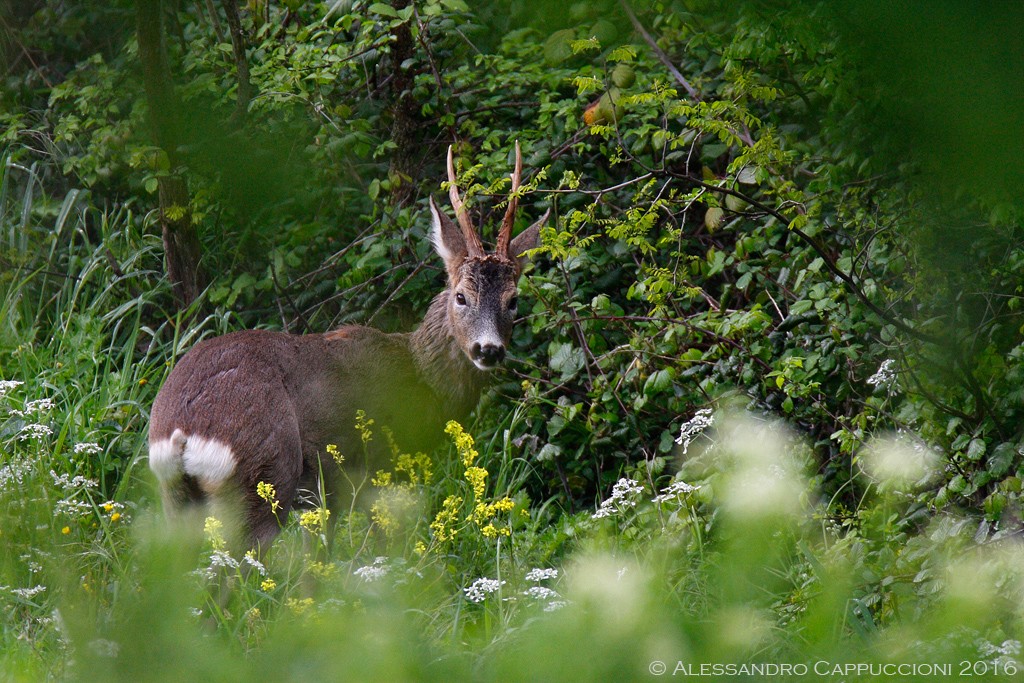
[[482, 287]]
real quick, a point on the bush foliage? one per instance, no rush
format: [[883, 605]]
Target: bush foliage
[[752, 219]]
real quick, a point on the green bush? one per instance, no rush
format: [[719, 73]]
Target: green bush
[[755, 237]]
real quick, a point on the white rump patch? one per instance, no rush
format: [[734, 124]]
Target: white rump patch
[[210, 461], [165, 456]]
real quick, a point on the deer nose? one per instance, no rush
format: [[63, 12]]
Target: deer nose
[[488, 355]]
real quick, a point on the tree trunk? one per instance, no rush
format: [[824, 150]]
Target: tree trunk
[[181, 244], [403, 112]]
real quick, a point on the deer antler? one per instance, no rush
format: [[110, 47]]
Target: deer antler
[[473, 245], [505, 233]]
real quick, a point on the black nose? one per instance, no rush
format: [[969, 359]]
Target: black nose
[[488, 354]]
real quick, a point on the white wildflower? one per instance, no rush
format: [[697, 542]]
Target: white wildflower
[[369, 573], [219, 558], [623, 496], [1008, 648], [68, 483], [250, 559], [88, 448], [555, 605], [690, 430], [541, 593], [34, 431], [14, 473], [41, 405], [885, 376], [481, 588], [536, 575], [673, 491], [28, 593], [6, 385], [372, 572], [72, 508]]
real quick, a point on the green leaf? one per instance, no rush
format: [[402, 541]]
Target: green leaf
[[383, 9], [658, 382]]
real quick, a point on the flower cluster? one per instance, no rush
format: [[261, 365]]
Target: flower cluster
[[394, 504], [6, 385], [537, 575], [444, 527], [623, 496], [885, 377], [483, 513], [332, 450], [14, 473], [481, 588], [673, 491], [34, 431], [693, 428], [463, 442], [372, 572], [268, 493], [315, 521], [363, 426]]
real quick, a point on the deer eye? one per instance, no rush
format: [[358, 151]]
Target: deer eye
[[460, 299], [513, 303]]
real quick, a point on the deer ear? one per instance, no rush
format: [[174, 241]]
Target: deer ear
[[447, 239], [526, 240]]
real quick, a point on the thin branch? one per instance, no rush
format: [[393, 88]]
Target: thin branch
[[658, 52], [830, 263]]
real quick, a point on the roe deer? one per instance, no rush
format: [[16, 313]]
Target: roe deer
[[258, 406]]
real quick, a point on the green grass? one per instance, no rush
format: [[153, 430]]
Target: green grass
[[746, 569]]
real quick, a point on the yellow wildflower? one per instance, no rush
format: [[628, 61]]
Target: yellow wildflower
[[443, 524], [332, 450], [382, 479], [417, 467], [214, 530], [506, 504], [268, 585], [363, 426], [116, 516], [66, 530], [299, 606], [381, 514], [476, 476], [322, 570], [314, 521], [463, 442], [268, 493]]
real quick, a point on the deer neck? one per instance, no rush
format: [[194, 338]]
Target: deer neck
[[441, 362]]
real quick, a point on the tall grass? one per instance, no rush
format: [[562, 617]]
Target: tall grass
[[729, 568]]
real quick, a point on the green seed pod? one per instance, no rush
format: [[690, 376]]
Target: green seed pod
[[623, 76], [609, 107]]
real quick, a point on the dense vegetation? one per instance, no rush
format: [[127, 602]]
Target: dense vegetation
[[766, 399]]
